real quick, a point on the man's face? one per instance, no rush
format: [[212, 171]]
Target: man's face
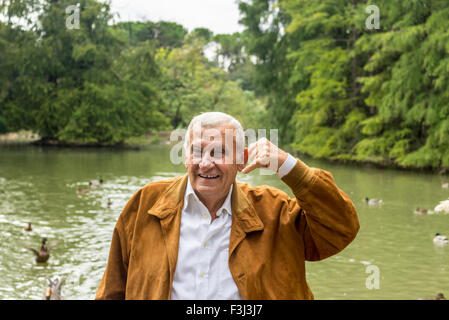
[[211, 161]]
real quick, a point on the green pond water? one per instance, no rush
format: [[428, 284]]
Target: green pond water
[[39, 185]]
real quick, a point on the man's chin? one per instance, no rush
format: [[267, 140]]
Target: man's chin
[[209, 188]]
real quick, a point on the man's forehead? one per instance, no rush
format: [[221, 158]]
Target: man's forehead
[[223, 128], [205, 135]]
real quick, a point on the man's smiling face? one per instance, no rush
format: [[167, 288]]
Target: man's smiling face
[[211, 161]]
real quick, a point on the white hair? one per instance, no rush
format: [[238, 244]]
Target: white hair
[[212, 119]]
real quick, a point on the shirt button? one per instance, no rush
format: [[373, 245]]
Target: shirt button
[[201, 274], [205, 244]]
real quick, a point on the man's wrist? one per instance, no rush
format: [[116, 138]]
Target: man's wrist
[[286, 166]]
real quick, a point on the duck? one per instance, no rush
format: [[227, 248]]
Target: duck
[[43, 254], [440, 239], [421, 211], [28, 227], [372, 201], [80, 191], [95, 183], [438, 296], [109, 202], [443, 206], [53, 290]]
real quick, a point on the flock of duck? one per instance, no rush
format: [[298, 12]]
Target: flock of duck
[[443, 206], [438, 239], [53, 289]]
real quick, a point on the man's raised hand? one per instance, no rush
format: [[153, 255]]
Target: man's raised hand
[[264, 154]]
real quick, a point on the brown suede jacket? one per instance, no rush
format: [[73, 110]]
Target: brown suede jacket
[[272, 235]]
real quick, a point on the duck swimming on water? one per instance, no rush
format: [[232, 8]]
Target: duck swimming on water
[[442, 207], [43, 254], [372, 202], [440, 239], [438, 296], [95, 183], [421, 211], [80, 191], [53, 290]]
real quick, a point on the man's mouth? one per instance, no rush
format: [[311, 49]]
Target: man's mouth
[[209, 176]]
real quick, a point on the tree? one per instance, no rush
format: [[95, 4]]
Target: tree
[[69, 84], [347, 92], [266, 40], [407, 85], [191, 84], [167, 34]]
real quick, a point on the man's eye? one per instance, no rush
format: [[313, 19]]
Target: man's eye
[[218, 154], [197, 152]]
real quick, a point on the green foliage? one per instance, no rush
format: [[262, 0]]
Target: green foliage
[[368, 95], [162, 33], [81, 85], [203, 33], [190, 84], [266, 41], [105, 83]]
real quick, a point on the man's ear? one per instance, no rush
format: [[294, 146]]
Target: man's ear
[[245, 160]]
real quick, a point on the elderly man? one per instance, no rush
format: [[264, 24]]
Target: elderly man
[[206, 236]]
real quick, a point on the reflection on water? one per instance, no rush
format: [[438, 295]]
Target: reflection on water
[[39, 186]]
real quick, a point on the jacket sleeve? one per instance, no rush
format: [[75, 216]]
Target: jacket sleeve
[[327, 219], [113, 283]]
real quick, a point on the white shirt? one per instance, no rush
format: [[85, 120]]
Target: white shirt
[[202, 270]]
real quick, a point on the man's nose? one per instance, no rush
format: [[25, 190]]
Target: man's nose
[[207, 161]]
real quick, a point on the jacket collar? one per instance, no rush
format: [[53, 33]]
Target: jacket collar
[[242, 209], [190, 196], [168, 203]]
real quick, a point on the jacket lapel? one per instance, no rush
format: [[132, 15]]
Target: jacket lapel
[[168, 209], [244, 218]]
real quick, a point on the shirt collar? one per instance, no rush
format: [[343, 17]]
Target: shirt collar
[[190, 195]]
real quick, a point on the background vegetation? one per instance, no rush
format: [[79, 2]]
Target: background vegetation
[[311, 68]]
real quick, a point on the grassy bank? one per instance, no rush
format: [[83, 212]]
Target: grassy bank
[[28, 137], [20, 137]]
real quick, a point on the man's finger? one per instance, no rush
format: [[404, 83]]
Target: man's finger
[[250, 167], [252, 147], [252, 154]]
